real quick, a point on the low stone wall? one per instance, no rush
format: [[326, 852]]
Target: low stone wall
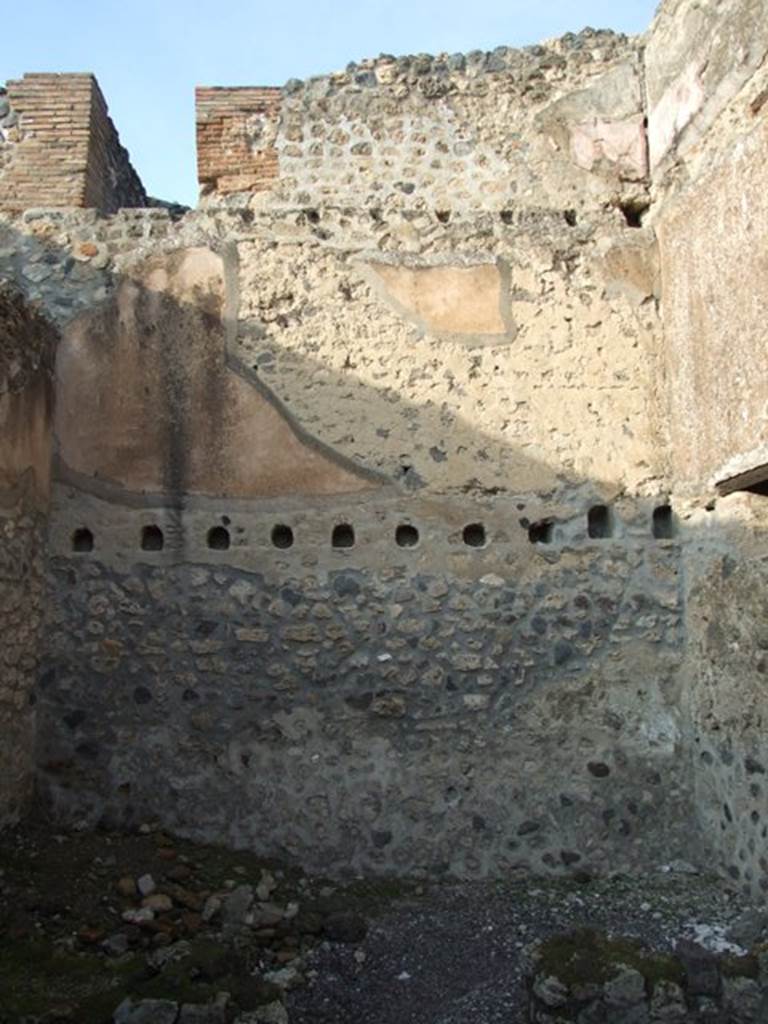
[[588, 978]]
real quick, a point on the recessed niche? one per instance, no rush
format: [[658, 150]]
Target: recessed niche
[[82, 539], [542, 532], [663, 522], [343, 536], [473, 535], [406, 536], [218, 538], [282, 536], [152, 539], [600, 522], [634, 211]]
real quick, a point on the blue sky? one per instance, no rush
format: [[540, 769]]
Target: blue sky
[[148, 55]]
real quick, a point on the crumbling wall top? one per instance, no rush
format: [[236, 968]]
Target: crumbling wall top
[[556, 123]]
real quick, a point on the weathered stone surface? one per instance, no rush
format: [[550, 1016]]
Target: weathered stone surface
[[27, 341], [713, 276], [146, 1011], [384, 524], [698, 57]]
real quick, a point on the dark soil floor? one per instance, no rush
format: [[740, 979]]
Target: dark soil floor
[[87, 919]]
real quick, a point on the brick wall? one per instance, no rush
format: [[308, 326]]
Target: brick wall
[[111, 180], [236, 133], [66, 150]]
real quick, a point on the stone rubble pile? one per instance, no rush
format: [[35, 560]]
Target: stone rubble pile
[[587, 977]]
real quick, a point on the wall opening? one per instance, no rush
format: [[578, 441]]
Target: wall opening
[[406, 536], [664, 527], [152, 539], [82, 539], [542, 532], [473, 535], [634, 211], [600, 522], [218, 538], [282, 536], [343, 536]]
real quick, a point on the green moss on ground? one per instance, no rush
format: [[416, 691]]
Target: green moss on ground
[[37, 977], [587, 957]]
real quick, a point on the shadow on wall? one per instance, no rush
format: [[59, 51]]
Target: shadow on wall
[[155, 364], [519, 697]]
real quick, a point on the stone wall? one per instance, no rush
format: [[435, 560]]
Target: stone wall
[[378, 617], [61, 148], [381, 702], [26, 356], [708, 82], [559, 124], [394, 465], [699, 58], [709, 218], [385, 533], [727, 601]]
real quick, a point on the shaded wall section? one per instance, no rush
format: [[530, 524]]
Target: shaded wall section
[[149, 403], [26, 354], [708, 86], [727, 665]]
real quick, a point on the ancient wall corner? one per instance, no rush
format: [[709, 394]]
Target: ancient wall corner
[[59, 148], [707, 86]]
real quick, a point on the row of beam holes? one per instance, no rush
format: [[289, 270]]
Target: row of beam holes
[[600, 526], [343, 536]]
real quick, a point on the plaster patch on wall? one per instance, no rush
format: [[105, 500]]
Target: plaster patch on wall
[[619, 143], [467, 302]]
